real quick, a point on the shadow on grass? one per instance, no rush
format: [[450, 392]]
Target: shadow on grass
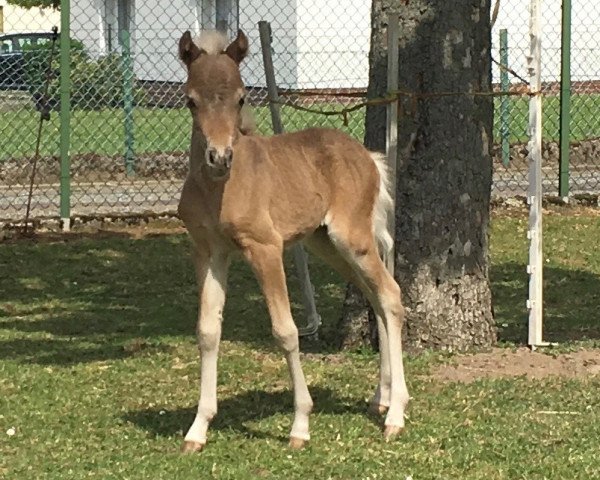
[[86, 300], [253, 405], [571, 303]]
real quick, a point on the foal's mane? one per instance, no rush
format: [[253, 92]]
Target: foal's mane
[[214, 42]]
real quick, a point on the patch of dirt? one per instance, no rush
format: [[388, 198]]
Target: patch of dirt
[[517, 208], [504, 363], [135, 227]]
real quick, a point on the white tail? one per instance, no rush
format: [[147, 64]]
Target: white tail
[[383, 205]]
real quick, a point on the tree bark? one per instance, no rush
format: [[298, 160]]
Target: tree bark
[[444, 169]]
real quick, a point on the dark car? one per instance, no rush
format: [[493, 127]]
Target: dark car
[[12, 68]]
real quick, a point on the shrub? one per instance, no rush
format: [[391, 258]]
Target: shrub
[[95, 83]]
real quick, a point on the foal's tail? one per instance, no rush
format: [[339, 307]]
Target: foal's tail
[[383, 205]]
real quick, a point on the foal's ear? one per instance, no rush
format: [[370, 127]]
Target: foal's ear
[[238, 49], [188, 50]]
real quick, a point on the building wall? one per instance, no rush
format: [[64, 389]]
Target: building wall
[[16, 19], [156, 37], [333, 43], [585, 38], [319, 44], [87, 25], [283, 17]]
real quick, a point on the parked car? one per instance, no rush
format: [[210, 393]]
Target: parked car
[[12, 67]]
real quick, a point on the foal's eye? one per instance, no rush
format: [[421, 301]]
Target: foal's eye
[[242, 101], [190, 103]]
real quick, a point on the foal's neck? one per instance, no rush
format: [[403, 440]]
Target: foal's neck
[[197, 153]]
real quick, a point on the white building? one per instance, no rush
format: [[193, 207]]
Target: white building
[[585, 38], [17, 19], [316, 43]]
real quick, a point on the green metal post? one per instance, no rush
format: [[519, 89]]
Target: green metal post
[[65, 114], [128, 103], [565, 101], [504, 101]]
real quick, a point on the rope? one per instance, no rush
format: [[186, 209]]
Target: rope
[[506, 68], [495, 13], [396, 96], [44, 115]]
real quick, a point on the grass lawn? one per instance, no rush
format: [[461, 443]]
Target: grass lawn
[[585, 121], [167, 130], [98, 373], [156, 130]]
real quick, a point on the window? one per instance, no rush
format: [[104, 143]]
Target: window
[[219, 14], [6, 45], [118, 15], [124, 14], [24, 42]]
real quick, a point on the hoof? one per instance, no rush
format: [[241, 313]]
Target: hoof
[[297, 443], [192, 447], [392, 431], [377, 409]]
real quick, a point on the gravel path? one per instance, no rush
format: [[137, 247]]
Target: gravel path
[[91, 199], [157, 196]]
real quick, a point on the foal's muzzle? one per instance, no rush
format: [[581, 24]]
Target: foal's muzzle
[[219, 160]]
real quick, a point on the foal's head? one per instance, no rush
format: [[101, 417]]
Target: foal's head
[[215, 92]]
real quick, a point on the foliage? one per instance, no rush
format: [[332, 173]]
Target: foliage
[[95, 83], [36, 3]]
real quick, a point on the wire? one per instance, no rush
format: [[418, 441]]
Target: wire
[[44, 115]]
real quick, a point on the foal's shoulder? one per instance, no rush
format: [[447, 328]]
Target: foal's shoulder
[[249, 144], [250, 150]]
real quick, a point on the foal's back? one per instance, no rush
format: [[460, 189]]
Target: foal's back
[[294, 182]]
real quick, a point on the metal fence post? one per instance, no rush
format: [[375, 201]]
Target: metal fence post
[[65, 114], [128, 102], [391, 144], [504, 101], [565, 101], [300, 257]]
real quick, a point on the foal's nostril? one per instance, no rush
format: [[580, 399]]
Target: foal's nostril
[[228, 157], [211, 157]]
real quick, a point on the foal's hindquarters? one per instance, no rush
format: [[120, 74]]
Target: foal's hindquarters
[[318, 186]]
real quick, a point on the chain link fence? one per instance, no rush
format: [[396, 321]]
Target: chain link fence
[[510, 39], [129, 128], [585, 102]]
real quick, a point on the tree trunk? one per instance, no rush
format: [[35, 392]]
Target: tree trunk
[[444, 168]]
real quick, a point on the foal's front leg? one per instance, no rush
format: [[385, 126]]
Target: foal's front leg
[[211, 272], [267, 263]]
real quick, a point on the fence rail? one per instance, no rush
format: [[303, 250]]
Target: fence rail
[[119, 144]]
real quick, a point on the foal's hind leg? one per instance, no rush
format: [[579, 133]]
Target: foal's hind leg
[[380, 402], [321, 245], [357, 245], [267, 263]]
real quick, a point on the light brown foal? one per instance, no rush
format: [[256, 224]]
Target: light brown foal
[[257, 195]]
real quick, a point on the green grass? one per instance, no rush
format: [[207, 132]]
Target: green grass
[[167, 130], [98, 373], [585, 121], [156, 130], [571, 277]]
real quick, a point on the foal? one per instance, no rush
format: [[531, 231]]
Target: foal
[[256, 195]]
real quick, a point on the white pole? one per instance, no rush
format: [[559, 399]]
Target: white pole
[[534, 195], [391, 143]]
